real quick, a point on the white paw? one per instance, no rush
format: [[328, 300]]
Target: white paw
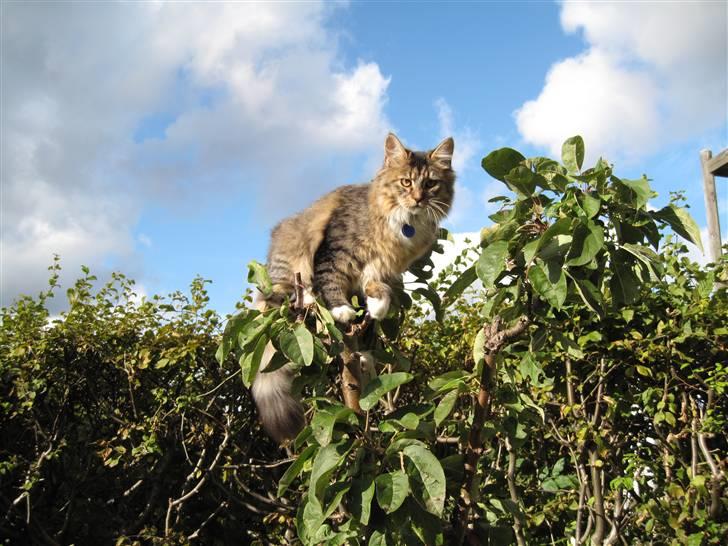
[[378, 307], [343, 313], [308, 298]]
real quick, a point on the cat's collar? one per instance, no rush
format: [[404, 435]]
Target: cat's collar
[[408, 230]]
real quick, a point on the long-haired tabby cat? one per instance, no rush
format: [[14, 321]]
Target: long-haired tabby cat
[[355, 240]]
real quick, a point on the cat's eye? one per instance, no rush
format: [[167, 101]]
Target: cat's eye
[[430, 183], [405, 182]]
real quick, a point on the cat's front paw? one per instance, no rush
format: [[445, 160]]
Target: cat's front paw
[[378, 307], [343, 313]]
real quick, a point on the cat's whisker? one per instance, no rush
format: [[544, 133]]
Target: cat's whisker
[[436, 214], [438, 209], [438, 202]]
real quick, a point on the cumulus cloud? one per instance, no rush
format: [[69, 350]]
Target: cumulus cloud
[[252, 93], [651, 75], [467, 142], [468, 146]]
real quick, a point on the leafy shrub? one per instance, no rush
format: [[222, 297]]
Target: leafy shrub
[[563, 381]]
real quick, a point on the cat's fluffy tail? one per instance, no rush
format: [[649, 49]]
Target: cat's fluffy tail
[[280, 413]]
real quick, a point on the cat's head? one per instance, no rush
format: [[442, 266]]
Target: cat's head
[[414, 183]]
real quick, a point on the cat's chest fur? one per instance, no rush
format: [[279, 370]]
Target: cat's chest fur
[[374, 245]]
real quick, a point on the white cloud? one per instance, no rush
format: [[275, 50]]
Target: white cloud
[[254, 91], [468, 146], [652, 74], [467, 142]]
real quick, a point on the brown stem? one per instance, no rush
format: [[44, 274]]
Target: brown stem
[[351, 379], [298, 304], [596, 479], [570, 398], [511, 479], [495, 340], [716, 477]]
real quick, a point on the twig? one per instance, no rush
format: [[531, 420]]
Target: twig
[[298, 305], [261, 465], [220, 384], [196, 534], [177, 502]]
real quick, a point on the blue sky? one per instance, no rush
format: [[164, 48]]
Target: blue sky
[[165, 140]]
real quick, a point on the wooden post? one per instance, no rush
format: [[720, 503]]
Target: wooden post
[[711, 206]]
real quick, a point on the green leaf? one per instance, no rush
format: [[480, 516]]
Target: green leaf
[[444, 408], [479, 346], [588, 241], [432, 477], [639, 190], [295, 469], [323, 421], [381, 385], [523, 181], [360, 497], [492, 262], [550, 283], [589, 295], [258, 275], [377, 538], [465, 279], [530, 368], [297, 344], [590, 205], [433, 298], [643, 370], [448, 380], [572, 153], [328, 459], [648, 257], [681, 222], [251, 330], [232, 330], [500, 162], [392, 490], [250, 362], [625, 285]]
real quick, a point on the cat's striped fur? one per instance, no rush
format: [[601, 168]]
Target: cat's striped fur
[[354, 241]]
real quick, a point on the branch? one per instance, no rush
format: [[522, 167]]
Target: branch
[[600, 527], [177, 502], [495, 340], [511, 479], [298, 305], [196, 534], [352, 379]]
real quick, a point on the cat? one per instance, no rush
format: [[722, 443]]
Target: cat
[[356, 240]]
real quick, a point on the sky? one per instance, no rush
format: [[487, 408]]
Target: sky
[[165, 139]]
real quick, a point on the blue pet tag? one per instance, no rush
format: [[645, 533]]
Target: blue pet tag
[[408, 231]]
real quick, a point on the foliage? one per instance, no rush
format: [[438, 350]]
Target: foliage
[[114, 411], [569, 419], [562, 381]]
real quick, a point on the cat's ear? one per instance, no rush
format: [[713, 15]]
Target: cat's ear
[[394, 151], [442, 154]]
